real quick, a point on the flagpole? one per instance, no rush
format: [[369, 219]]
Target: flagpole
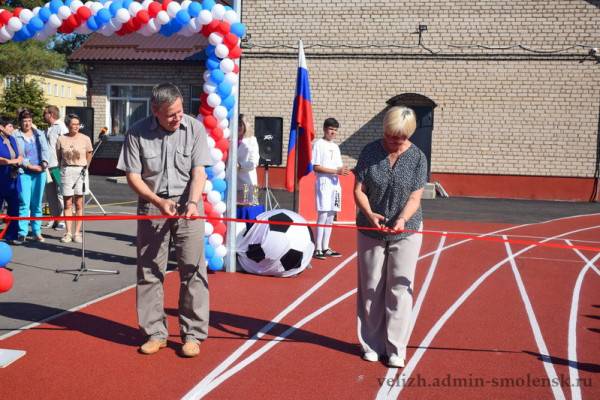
[[295, 199]]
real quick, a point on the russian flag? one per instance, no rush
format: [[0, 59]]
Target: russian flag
[[302, 131]]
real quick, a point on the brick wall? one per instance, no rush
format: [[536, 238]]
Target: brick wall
[[512, 112]]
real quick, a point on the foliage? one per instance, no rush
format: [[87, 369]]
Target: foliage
[[22, 93], [31, 57]]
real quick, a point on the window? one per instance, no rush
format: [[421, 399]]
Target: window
[[196, 92], [55, 87], [49, 88], [69, 91], [128, 104]]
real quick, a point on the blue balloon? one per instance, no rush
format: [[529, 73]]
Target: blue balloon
[[208, 4], [238, 29], [175, 25], [127, 3], [44, 14], [209, 172], [194, 9], [228, 102], [103, 16], [219, 185], [224, 89], [217, 76], [114, 7], [215, 264], [55, 5], [210, 50], [212, 63], [36, 24], [166, 30], [5, 254], [230, 114], [209, 251], [228, 8], [182, 16], [68, 3], [92, 24]]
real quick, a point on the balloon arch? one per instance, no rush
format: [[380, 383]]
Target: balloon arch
[[220, 24]]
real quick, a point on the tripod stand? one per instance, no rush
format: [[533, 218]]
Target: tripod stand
[[270, 200], [92, 197], [82, 268]]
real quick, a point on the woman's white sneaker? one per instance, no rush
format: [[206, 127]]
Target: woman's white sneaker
[[370, 356], [395, 361]]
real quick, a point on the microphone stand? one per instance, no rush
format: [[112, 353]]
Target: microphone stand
[[83, 269]]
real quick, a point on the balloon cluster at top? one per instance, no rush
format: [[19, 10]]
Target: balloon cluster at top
[[220, 24]]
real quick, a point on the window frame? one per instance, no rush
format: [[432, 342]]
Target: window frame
[[128, 99]]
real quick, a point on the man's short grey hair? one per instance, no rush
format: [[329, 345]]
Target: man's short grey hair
[[165, 93]]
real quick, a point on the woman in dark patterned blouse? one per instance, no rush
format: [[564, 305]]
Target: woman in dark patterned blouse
[[390, 176]]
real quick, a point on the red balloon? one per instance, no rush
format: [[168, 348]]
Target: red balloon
[[73, 20], [216, 133], [5, 16], [236, 68], [223, 145], [133, 24], [205, 110], [165, 4], [235, 53], [223, 27], [143, 16], [17, 11], [210, 122], [225, 155], [6, 280], [207, 207], [220, 228], [84, 13], [213, 217], [154, 8], [66, 28], [230, 40]]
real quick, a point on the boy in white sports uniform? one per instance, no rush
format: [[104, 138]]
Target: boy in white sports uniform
[[327, 164]]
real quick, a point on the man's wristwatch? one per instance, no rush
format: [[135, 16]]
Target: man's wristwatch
[[192, 202]]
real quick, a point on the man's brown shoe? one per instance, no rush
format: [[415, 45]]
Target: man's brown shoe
[[190, 349], [153, 346]]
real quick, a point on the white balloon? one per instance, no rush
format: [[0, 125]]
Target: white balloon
[[211, 142], [216, 154], [220, 112], [209, 87], [25, 15], [206, 75], [213, 197], [213, 100], [234, 91], [224, 123], [226, 131], [83, 29], [146, 4], [53, 21], [14, 24], [153, 26], [185, 4], [218, 167], [41, 36], [95, 7], [207, 186], [194, 25], [114, 24], [75, 4], [227, 65], [5, 34], [221, 50], [205, 17], [220, 207], [123, 15], [36, 10], [186, 31], [145, 31], [218, 11], [220, 175], [163, 17], [106, 30], [173, 8], [221, 251], [63, 12], [134, 8], [231, 16], [215, 240], [208, 228], [232, 78], [215, 38]]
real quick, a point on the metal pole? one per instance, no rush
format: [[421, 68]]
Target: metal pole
[[230, 258]]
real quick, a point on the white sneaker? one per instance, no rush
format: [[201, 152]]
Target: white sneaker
[[395, 361], [370, 356]]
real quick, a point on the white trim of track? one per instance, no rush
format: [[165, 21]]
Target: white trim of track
[[535, 327], [572, 335], [394, 391]]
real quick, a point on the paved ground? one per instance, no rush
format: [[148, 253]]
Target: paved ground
[[40, 292]]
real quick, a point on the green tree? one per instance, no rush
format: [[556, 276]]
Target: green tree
[[22, 93], [30, 57]]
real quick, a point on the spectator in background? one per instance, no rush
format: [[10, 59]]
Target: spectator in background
[[103, 131], [74, 152], [33, 146], [10, 159], [56, 128], [247, 180]]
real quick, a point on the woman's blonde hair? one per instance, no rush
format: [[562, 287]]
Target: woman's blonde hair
[[400, 121]]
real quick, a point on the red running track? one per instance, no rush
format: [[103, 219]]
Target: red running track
[[473, 337]]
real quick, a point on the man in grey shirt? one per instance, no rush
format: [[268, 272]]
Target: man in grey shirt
[[56, 128], [164, 157]]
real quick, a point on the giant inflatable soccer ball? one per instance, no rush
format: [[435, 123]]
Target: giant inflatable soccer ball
[[275, 249]]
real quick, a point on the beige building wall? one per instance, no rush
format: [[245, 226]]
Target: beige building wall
[[499, 111]]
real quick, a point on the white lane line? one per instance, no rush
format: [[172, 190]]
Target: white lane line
[[204, 383], [535, 327], [394, 392], [572, 335], [254, 356]]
